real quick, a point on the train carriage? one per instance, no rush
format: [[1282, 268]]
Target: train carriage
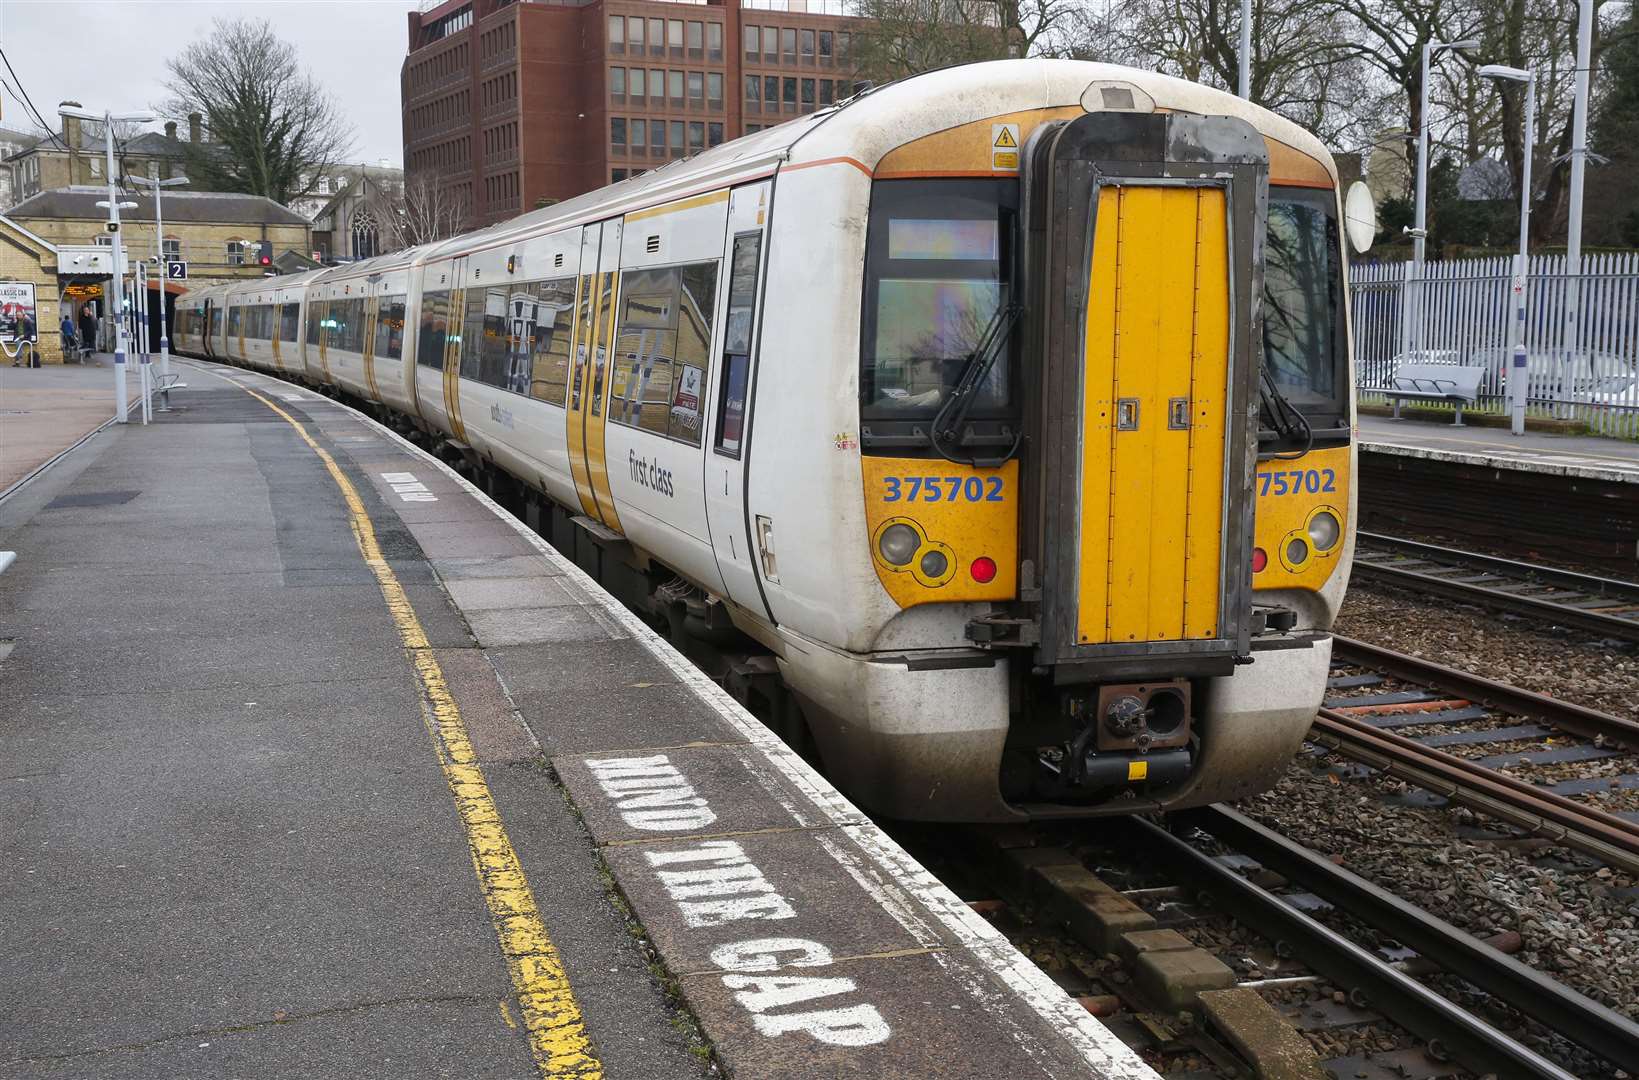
[[1005, 409]]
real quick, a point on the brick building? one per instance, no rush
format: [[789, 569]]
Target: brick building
[[509, 104]]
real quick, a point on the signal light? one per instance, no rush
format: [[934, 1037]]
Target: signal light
[[983, 569], [1260, 559]]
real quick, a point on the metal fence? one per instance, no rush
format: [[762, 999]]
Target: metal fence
[[1468, 314]]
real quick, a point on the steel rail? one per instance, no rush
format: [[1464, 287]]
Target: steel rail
[[1581, 1019], [1495, 794], [1594, 621], [1568, 716], [1432, 1018]]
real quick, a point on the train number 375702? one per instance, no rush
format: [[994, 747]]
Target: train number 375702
[[942, 489], [1297, 481]]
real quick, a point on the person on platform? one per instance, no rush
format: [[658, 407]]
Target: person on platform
[[67, 330], [88, 330]]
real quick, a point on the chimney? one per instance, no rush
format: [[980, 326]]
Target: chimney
[[71, 125], [195, 120], [170, 129]]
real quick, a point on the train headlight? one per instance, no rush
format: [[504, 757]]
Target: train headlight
[[1297, 552], [1324, 530], [898, 544], [934, 564]]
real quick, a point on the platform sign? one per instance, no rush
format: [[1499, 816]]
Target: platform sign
[[176, 271], [16, 305]]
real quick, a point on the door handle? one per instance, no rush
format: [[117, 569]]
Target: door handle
[[1178, 414], [1126, 414]]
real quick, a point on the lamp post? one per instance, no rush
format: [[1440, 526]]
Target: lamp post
[[1520, 377], [153, 181], [1412, 330], [109, 119], [1246, 50]]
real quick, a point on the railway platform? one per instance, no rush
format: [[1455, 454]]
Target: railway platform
[[1572, 498], [317, 763]]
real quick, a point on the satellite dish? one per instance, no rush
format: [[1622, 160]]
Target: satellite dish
[[1360, 217]]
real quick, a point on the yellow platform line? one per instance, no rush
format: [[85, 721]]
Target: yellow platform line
[[551, 1015]]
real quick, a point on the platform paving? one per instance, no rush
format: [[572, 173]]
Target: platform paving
[[45, 410], [231, 848], [1587, 456]]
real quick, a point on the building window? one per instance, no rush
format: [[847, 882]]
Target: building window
[[103, 240], [754, 93], [771, 44], [634, 36], [617, 85], [617, 34], [636, 88], [697, 40], [842, 89], [657, 37], [808, 95], [825, 92], [714, 133], [842, 48], [617, 175], [788, 94], [366, 235], [674, 37], [237, 250], [173, 249], [674, 87], [771, 93], [714, 90], [617, 133], [697, 90], [808, 47], [639, 129], [751, 43], [825, 48], [752, 129], [788, 45], [677, 138], [697, 136], [714, 41], [657, 138], [96, 166]]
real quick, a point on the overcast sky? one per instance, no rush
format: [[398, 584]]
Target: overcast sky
[[110, 54]]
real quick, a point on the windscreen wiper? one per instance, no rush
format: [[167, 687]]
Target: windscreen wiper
[[1285, 417], [946, 431]]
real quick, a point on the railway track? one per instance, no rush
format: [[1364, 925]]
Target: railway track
[[1447, 709], [1600, 605]]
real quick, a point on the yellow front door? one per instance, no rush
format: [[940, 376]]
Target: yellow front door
[[1153, 416]]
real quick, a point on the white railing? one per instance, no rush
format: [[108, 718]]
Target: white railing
[[1468, 314]]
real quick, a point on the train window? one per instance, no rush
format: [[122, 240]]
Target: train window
[[390, 327], [546, 335], [290, 321], [314, 308], [475, 332], [487, 346], [937, 256], [1302, 288], [661, 349], [235, 317], [435, 321], [735, 377]]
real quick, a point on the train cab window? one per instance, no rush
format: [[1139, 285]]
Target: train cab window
[[734, 380], [937, 268], [1303, 302], [390, 327], [435, 321], [661, 349]]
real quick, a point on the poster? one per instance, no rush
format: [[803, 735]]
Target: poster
[[16, 303]]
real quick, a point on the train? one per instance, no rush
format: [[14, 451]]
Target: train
[[992, 430]]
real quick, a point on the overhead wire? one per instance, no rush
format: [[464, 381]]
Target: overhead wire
[[28, 102]]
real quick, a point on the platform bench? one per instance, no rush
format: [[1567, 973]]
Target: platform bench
[[1435, 382]]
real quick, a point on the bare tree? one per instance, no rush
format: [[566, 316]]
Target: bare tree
[[273, 128], [421, 211], [905, 37]]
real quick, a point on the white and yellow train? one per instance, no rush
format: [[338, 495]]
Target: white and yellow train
[[1001, 414]]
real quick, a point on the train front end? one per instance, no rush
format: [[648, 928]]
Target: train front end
[[1105, 434]]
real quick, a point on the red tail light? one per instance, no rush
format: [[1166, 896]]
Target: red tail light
[[983, 569], [1260, 559]]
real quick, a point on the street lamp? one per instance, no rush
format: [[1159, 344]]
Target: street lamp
[[1419, 233], [109, 119], [1520, 377], [153, 181]]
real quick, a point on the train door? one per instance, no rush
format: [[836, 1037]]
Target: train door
[[585, 335], [372, 312], [453, 336], [597, 410], [275, 328], [207, 320], [730, 430], [1147, 452]]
